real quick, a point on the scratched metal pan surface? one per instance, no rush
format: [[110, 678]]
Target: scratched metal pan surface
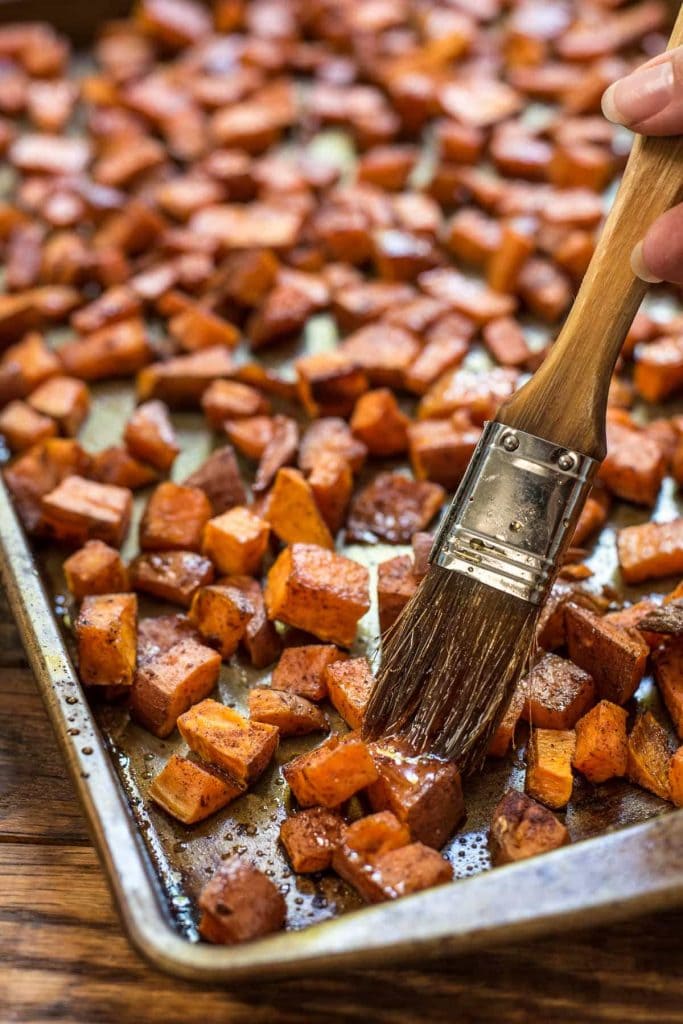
[[625, 858]]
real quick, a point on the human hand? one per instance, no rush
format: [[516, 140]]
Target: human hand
[[650, 101]]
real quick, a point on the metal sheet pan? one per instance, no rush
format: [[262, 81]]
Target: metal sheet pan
[[155, 867]]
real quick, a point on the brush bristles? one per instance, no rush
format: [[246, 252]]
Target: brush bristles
[[449, 667]]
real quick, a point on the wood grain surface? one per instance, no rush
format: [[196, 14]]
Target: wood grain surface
[[63, 956]]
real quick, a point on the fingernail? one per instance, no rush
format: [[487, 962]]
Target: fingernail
[[640, 95], [639, 268]]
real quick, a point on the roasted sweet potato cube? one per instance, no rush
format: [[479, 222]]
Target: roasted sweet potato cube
[[399, 872], [392, 508], [219, 477], [182, 381], [466, 295], [236, 541], [115, 465], [280, 450], [149, 435], [505, 730], [396, 584], [196, 329], [635, 464], [517, 243], [477, 394], [282, 314], [64, 399], [557, 692], [361, 843], [37, 471], [545, 289], [383, 352], [261, 640], [249, 226], [444, 349], [423, 792], [668, 666], [318, 591], [676, 778], [95, 569], [221, 613], [521, 828], [379, 423], [593, 516], [174, 518], [291, 714], [22, 426], [114, 304], [78, 510], [161, 633], [440, 450], [239, 904], [601, 745], [472, 236], [116, 350], [549, 766], [310, 838], [349, 684], [331, 482], [106, 634], [332, 772], [50, 154], [614, 657], [223, 737], [292, 512], [649, 755], [658, 369], [329, 383], [229, 400], [171, 575], [167, 685], [650, 551], [330, 435], [32, 361], [190, 791], [302, 670], [504, 338]]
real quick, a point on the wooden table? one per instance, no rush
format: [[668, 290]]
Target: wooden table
[[63, 956]]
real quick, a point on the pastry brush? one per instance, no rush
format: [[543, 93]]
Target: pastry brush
[[451, 661]]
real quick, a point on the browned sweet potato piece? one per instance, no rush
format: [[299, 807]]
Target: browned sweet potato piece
[[331, 482], [239, 904], [175, 23], [392, 508], [472, 236], [291, 714], [223, 737], [219, 478], [516, 245], [190, 791], [221, 613], [521, 828], [236, 541], [479, 395], [310, 838], [318, 591], [447, 344], [167, 685], [676, 778], [557, 692], [106, 634], [331, 773], [668, 666], [505, 730], [64, 399], [383, 352], [328, 384], [549, 766], [249, 275], [302, 670], [195, 328], [250, 435], [614, 657], [78, 510], [379, 423], [467, 296], [171, 575], [396, 584], [149, 435], [601, 745], [659, 368], [95, 569], [22, 426], [505, 341], [37, 471], [398, 872], [280, 450], [631, 616], [116, 350], [183, 380], [361, 843], [31, 362], [49, 154], [544, 289], [292, 512], [251, 226], [229, 400], [349, 684], [357, 304], [330, 435], [117, 466], [402, 255], [174, 518], [440, 450], [161, 633], [593, 516], [116, 303], [649, 754], [261, 640], [283, 313], [650, 550], [635, 464]]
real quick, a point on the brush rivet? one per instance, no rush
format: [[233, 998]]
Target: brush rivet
[[566, 461], [510, 442]]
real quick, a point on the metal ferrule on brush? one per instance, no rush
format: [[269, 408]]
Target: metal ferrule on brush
[[514, 513]]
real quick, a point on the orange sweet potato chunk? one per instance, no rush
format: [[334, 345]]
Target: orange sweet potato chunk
[[280, 450], [601, 745], [236, 541], [95, 569], [223, 737], [240, 904], [549, 766], [477, 394], [106, 635], [331, 482], [330, 436], [261, 640], [318, 591], [329, 383], [78, 510], [440, 450], [614, 657], [292, 512], [230, 400], [379, 423], [349, 684], [505, 730], [36, 472], [383, 351], [174, 518], [219, 477], [302, 670], [399, 872], [291, 714], [310, 838], [182, 381], [23, 426], [166, 686], [635, 464], [65, 400], [649, 755], [171, 575], [558, 693], [522, 828], [116, 350], [32, 361], [115, 465], [149, 435], [650, 551], [668, 666], [396, 584], [190, 791], [659, 368], [593, 517], [392, 508], [221, 613], [333, 772]]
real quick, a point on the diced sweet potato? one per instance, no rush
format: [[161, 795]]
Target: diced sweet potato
[[440, 450], [318, 591], [116, 350], [223, 737], [331, 482], [361, 843], [229, 400], [190, 791], [106, 634], [516, 245], [22, 426], [256, 225], [349, 684], [174, 518], [149, 435], [396, 584], [239, 904], [398, 872], [65, 400], [261, 640], [292, 512], [32, 361], [78, 510], [631, 616], [37, 471], [183, 380], [549, 766], [658, 369], [479, 395], [649, 754], [329, 383], [95, 569], [280, 450], [558, 693], [310, 838], [219, 477], [291, 714], [221, 613], [236, 541], [650, 551], [392, 508], [446, 347], [668, 667], [635, 464], [383, 352], [676, 778], [331, 773], [330, 436], [114, 304], [467, 296], [472, 236], [357, 304], [379, 423], [505, 341], [614, 657], [504, 733], [601, 745], [161, 633], [521, 828], [593, 516], [115, 465], [171, 575], [167, 685], [196, 329], [302, 670]]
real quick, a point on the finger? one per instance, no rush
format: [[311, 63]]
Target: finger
[[650, 99], [659, 257]]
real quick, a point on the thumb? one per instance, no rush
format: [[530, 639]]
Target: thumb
[[650, 99]]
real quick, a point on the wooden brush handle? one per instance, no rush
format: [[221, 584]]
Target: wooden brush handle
[[566, 399]]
